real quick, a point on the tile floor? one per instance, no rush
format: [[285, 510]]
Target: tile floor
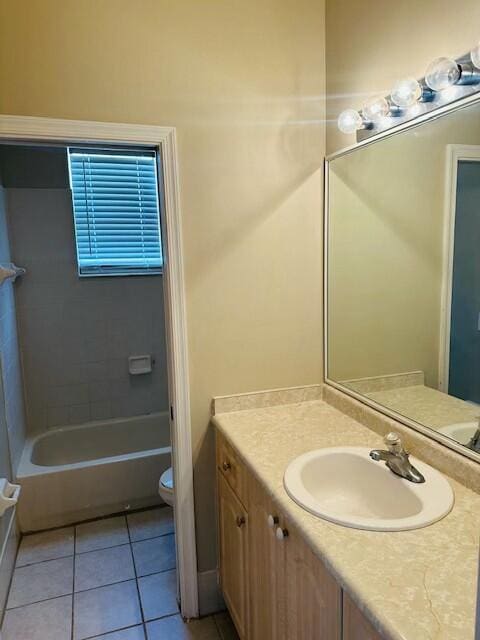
[[111, 579]]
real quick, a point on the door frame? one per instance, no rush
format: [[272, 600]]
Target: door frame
[[34, 129], [456, 153]]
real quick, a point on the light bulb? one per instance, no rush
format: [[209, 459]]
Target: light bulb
[[406, 92], [475, 56], [376, 109], [442, 73], [349, 121]]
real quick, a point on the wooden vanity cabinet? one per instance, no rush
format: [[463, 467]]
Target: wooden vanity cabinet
[[274, 585]]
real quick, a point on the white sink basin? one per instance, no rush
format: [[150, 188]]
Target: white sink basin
[[344, 485], [462, 432]]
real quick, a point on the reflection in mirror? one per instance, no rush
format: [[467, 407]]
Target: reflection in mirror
[[404, 273]]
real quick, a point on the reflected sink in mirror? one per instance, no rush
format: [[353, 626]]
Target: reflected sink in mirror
[[345, 486], [462, 432]]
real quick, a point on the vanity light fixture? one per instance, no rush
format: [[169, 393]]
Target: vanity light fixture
[[406, 92], [475, 56], [350, 121], [376, 108], [441, 74]]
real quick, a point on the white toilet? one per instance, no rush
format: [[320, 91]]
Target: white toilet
[[165, 486]]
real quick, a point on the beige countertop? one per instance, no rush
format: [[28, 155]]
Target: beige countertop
[[412, 585]]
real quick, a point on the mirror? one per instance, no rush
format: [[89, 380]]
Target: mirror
[[403, 275]]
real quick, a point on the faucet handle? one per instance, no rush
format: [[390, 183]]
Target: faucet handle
[[393, 442]]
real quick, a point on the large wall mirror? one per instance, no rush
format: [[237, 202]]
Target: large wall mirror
[[403, 275]]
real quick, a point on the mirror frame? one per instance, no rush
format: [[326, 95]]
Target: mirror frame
[[403, 127]]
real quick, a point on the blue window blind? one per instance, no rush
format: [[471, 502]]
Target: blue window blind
[[116, 212]]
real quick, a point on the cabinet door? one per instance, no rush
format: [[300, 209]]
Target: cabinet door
[[355, 625], [267, 564], [233, 539], [313, 597]]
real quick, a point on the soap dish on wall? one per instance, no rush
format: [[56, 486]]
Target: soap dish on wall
[[139, 365]]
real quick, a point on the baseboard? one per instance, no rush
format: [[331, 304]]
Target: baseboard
[[7, 559], [210, 598]]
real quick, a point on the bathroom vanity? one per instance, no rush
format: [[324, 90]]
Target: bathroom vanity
[[286, 573], [274, 585]]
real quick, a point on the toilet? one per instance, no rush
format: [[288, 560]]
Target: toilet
[[165, 486]]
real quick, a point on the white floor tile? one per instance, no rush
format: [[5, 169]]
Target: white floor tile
[[47, 545], [151, 523], [41, 581], [50, 620], [154, 555], [105, 609], [102, 567], [101, 534], [174, 628], [159, 594]]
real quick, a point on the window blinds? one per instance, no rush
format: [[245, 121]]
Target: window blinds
[[116, 212]]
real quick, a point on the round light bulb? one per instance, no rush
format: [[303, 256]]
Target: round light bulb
[[406, 92], [442, 73], [376, 109], [349, 121], [475, 56]]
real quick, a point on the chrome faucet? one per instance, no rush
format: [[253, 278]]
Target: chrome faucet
[[396, 459], [474, 442]]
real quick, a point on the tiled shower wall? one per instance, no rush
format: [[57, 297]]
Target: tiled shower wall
[[75, 333]]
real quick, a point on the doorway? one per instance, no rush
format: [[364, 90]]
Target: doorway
[[464, 374], [28, 130], [460, 315]]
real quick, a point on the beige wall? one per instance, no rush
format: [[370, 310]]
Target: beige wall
[[372, 44], [386, 251], [244, 84]]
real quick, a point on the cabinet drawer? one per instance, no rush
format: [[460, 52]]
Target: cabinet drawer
[[231, 468]]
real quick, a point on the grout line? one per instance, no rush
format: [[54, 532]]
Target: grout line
[[29, 604], [136, 576], [109, 633], [154, 573], [120, 544], [73, 580], [117, 514], [30, 564], [114, 546]]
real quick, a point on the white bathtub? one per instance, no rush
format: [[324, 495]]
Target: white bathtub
[[75, 473]]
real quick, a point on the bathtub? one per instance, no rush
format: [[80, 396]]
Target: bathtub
[[75, 473]]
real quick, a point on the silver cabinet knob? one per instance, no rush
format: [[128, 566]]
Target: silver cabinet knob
[[226, 466], [281, 534], [240, 521], [272, 521]]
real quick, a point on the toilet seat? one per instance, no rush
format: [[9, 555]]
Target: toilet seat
[[165, 486], [166, 479]]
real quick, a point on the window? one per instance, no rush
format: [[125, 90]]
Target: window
[[116, 211]]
